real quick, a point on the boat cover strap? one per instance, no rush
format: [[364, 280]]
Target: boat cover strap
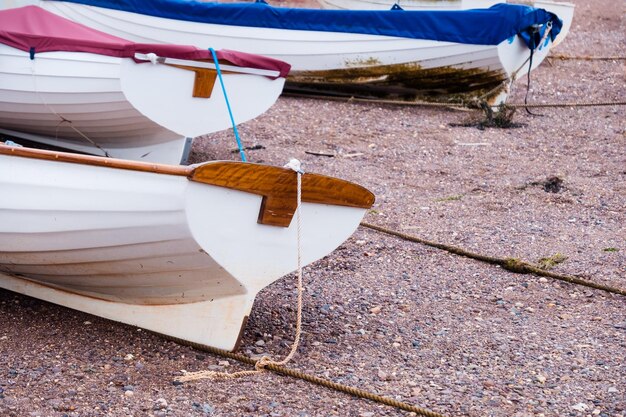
[[478, 26], [36, 30]]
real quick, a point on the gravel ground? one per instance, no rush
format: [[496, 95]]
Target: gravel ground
[[400, 319]]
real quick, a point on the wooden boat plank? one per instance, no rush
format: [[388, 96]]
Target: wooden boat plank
[[94, 160], [203, 83], [278, 186]]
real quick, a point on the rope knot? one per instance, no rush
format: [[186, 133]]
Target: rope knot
[[295, 165], [262, 363], [153, 58]]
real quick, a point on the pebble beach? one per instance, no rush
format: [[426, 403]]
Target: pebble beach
[[394, 317]]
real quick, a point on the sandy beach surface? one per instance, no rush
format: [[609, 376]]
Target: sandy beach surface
[[400, 319]]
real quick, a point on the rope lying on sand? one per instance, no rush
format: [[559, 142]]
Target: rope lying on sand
[[510, 264], [588, 58], [459, 105], [279, 369], [266, 363]]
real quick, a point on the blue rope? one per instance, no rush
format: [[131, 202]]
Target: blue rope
[[232, 119]]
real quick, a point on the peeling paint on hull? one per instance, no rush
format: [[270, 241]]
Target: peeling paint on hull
[[403, 81]]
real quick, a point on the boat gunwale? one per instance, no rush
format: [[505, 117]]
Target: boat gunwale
[[93, 160], [276, 185]]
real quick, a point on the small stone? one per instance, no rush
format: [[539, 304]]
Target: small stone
[[260, 342], [376, 310], [580, 407], [107, 367], [612, 390], [489, 384], [366, 414], [86, 323], [129, 357], [128, 393], [396, 344], [383, 376], [223, 363], [160, 404], [54, 403], [541, 379], [543, 280]]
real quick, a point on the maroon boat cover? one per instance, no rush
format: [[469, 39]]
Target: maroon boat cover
[[35, 30]]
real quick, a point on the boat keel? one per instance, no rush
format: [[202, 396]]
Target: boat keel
[[217, 323]]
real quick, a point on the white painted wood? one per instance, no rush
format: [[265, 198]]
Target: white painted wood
[[215, 323], [140, 247], [131, 110]]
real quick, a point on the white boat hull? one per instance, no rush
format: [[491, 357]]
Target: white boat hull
[[96, 103], [157, 251], [349, 61]]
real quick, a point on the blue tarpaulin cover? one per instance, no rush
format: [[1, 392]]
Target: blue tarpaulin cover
[[478, 26]]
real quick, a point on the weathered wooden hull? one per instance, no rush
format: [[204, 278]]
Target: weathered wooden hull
[[445, 72], [348, 61], [150, 248], [96, 103]]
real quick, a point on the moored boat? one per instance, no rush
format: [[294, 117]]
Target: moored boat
[[68, 85], [179, 250], [408, 54]]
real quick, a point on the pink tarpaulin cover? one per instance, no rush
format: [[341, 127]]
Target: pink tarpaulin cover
[[32, 27]]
